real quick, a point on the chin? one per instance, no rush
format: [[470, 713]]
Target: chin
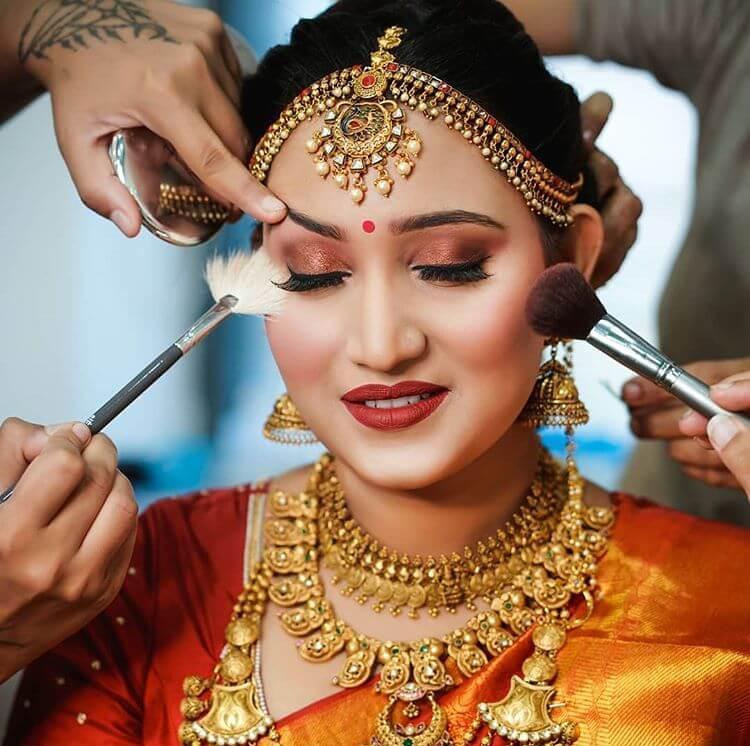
[[415, 458], [410, 466]]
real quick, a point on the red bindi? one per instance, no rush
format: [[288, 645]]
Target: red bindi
[[368, 226]]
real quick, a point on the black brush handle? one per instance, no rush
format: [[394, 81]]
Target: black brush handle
[[133, 389]]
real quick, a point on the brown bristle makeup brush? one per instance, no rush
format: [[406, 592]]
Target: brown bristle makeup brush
[[241, 283], [563, 304]]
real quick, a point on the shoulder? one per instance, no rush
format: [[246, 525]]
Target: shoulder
[[202, 509], [192, 538], [655, 530], [681, 573], [195, 524], [220, 503]]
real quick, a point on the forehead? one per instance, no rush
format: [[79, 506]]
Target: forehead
[[448, 174]]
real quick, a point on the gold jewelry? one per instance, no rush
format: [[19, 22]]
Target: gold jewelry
[[546, 574], [554, 400], [364, 127], [189, 202], [285, 424], [397, 580], [229, 708]]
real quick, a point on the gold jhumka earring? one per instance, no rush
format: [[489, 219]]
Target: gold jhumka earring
[[285, 424], [554, 401]]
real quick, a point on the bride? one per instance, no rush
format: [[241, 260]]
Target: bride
[[437, 578]]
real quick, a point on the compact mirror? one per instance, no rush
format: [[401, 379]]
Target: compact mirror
[[174, 204]]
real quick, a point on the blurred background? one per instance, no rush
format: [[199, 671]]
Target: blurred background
[[86, 308]]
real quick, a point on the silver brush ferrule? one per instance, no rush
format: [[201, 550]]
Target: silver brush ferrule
[[624, 345], [206, 323]]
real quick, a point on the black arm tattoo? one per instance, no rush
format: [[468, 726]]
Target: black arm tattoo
[[71, 23]]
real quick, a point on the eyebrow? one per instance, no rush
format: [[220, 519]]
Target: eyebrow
[[407, 225]]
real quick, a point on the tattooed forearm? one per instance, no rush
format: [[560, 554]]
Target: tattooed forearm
[[73, 24]]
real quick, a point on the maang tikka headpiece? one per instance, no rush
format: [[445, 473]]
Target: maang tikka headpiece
[[364, 129]]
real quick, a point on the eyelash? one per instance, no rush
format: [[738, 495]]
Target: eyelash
[[464, 272], [460, 273]]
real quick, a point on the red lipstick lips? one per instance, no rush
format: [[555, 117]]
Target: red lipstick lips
[[387, 416]]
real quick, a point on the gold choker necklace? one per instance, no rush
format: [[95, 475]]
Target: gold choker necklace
[[545, 574], [396, 580]]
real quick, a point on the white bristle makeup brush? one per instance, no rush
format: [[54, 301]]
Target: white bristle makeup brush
[[562, 304], [242, 283]]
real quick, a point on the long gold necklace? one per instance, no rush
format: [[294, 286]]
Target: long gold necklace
[[544, 574]]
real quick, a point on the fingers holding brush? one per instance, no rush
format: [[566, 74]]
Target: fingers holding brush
[[67, 534], [728, 436]]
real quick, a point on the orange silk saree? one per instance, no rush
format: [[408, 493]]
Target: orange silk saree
[[663, 661]]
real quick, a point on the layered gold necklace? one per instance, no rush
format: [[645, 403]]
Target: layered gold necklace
[[528, 574]]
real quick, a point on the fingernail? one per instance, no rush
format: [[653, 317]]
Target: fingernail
[[723, 386], [686, 414], [721, 429], [588, 136], [632, 391], [271, 204], [81, 432], [120, 219]]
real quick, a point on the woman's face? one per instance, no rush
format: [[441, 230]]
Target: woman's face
[[423, 291]]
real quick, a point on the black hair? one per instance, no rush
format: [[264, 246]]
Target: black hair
[[477, 46]]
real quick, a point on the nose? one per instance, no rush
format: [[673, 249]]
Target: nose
[[383, 335]]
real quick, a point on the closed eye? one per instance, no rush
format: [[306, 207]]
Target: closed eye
[[459, 273], [300, 283]]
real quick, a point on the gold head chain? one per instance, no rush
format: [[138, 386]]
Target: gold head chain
[[364, 128]]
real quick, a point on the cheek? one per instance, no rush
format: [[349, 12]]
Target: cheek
[[302, 345], [488, 332]]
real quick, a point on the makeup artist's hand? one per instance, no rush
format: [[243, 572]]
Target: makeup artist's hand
[[67, 535], [658, 415], [619, 207], [158, 64], [728, 436]]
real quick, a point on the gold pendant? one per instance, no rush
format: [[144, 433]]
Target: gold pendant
[[434, 733], [234, 714], [523, 715], [360, 659], [287, 560], [292, 591], [329, 641], [306, 619], [463, 648], [429, 670], [396, 667]]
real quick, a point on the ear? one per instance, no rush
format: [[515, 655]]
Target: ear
[[582, 241]]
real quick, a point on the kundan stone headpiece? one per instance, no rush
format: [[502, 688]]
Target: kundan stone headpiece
[[364, 129]]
